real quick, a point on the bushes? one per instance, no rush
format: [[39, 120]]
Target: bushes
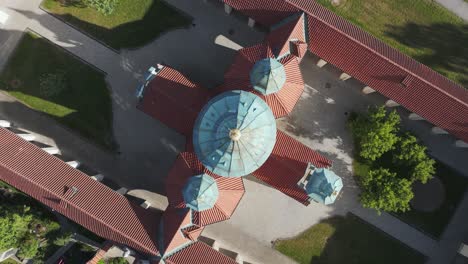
[[384, 190], [393, 160], [376, 132], [106, 7], [118, 260], [29, 247], [63, 239]]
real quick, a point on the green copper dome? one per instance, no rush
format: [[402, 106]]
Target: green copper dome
[[324, 186], [267, 76], [234, 134], [200, 192]]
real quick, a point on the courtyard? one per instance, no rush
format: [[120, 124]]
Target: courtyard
[[148, 148]]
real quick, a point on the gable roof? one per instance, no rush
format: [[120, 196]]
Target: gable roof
[[293, 28], [172, 235], [392, 73], [199, 253], [93, 205], [174, 100], [265, 12]]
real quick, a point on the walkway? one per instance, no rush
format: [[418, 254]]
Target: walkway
[[148, 148], [459, 7]]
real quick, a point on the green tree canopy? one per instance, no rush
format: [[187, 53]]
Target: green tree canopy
[[376, 133], [413, 157], [384, 191], [14, 223]]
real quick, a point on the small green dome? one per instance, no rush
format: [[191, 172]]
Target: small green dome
[[267, 76], [234, 134], [200, 192]]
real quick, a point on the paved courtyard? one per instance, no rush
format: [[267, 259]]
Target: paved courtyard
[[202, 52]]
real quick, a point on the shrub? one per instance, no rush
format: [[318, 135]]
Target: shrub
[[384, 191], [118, 260], [105, 7], [413, 158], [63, 239], [28, 248], [376, 133]]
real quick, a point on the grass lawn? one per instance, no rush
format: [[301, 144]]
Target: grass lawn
[[132, 24], [346, 240], [422, 29], [81, 101], [432, 223]]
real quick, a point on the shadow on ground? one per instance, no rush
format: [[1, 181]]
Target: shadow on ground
[[347, 239], [132, 34], [447, 43]]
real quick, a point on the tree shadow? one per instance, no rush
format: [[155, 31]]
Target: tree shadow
[[159, 18], [447, 45], [347, 239], [82, 99]]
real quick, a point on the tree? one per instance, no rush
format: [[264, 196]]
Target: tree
[[384, 191], [376, 132], [413, 157], [28, 248], [14, 222]]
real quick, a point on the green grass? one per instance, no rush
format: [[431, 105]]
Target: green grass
[[132, 24], [84, 105], [348, 240], [432, 223], [421, 29]]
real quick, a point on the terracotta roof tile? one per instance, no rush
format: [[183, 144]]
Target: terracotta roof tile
[[231, 190], [238, 77], [94, 206], [287, 165], [294, 29], [174, 100], [199, 253]]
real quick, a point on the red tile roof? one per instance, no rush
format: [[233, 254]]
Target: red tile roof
[[287, 165], [230, 190], [369, 60], [265, 12], [174, 100], [94, 206], [279, 38], [173, 224], [199, 253], [238, 77]]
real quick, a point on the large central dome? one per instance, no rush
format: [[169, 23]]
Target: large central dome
[[234, 134]]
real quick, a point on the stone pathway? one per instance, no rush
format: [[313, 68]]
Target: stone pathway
[[148, 148]]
